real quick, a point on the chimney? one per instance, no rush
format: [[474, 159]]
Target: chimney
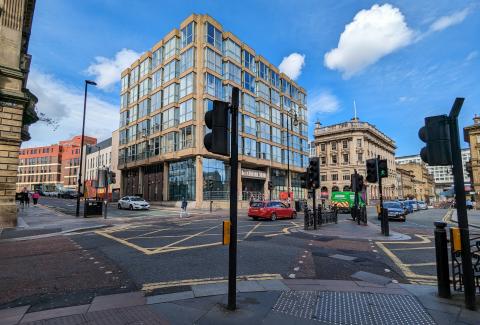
[[317, 124], [476, 120]]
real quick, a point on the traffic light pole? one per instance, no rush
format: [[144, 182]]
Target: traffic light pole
[[383, 215], [232, 248], [460, 199], [355, 199], [314, 209]]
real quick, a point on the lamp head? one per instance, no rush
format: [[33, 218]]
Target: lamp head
[[90, 82]]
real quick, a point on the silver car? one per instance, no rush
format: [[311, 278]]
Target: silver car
[[133, 203], [422, 205]]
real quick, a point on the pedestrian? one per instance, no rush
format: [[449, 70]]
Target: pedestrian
[[27, 199], [183, 212], [35, 197], [24, 197]]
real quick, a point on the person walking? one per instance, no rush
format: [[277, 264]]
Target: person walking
[[35, 197], [27, 199], [22, 199], [183, 212]]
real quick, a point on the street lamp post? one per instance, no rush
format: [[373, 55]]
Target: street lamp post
[[291, 114], [79, 183], [98, 172]]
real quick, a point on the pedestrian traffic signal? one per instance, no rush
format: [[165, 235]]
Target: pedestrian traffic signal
[[382, 168], [313, 172], [217, 119], [436, 135], [304, 180], [372, 170], [270, 185], [360, 183]]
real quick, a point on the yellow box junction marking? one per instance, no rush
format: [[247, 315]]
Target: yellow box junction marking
[[189, 282]]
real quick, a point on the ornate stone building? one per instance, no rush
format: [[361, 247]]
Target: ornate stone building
[[346, 146], [17, 104], [472, 136], [405, 183], [423, 181]]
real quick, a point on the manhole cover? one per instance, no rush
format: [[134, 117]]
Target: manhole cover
[[353, 307]]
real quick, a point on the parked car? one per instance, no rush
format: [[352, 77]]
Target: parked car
[[133, 203], [272, 210], [409, 206], [422, 205], [395, 210], [406, 207], [69, 195]]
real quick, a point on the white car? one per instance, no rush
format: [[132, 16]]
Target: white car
[[133, 203], [422, 205]]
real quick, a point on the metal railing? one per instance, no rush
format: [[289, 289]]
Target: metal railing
[[323, 217], [457, 269]]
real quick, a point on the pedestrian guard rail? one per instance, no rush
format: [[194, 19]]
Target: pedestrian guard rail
[[456, 258], [323, 216]]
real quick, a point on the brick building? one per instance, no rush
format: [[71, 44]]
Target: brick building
[[17, 103], [71, 159]]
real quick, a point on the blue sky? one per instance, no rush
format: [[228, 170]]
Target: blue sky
[[400, 61]]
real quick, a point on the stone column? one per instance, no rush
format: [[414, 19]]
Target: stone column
[[10, 141]]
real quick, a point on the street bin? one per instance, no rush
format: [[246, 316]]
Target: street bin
[[93, 208]]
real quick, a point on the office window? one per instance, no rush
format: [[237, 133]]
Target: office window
[[249, 125], [187, 110], [233, 73], [171, 48], [169, 142], [263, 150], [144, 108], [133, 114], [214, 36], [132, 133], [170, 94], [276, 116], [123, 118], [133, 95], [156, 123], [276, 154], [248, 82], [170, 118], [124, 82], [276, 135], [249, 103], [263, 91], [124, 100], [249, 61], [145, 67], [134, 74], [143, 128], [213, 86], [263, 130], [263, 71], [170, 71], [249, 147], [232, 50], [213, 60], [144, 88], [187, 59], [263, 110], [274, 79], [157, 57], [156, 101], [334, 177], [275, 97], [157, 79], [187, 84], [187, 137], [188, 34]]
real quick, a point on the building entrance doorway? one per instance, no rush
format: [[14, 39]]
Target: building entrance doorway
[[252, 187]]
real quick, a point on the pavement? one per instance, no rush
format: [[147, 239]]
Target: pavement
[[298, 301], [473, 218]]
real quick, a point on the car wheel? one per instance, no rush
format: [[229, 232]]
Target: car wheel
[[273, 217], [294, 215], [131, 207], [119, 206], [404, 219], [255, 218]]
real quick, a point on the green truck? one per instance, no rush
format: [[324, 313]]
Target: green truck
[[345, 200]]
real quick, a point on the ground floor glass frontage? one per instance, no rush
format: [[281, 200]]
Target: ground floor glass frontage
[[181, 180]]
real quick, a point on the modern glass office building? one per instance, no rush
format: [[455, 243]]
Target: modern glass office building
[[164, 96]]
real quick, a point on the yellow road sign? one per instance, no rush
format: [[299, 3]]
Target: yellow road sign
[[226, 232]]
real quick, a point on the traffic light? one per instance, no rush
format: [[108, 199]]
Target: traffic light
[[436, 135], [360, 183], [313, 172], [353, 182], [304, 180], [372, 170], [217, 119], [210, 184], [270, 185], [382, 168]]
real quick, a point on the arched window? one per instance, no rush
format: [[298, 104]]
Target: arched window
[[335, 189], [346, 188]]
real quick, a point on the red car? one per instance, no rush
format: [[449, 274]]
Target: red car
[[272, 210]]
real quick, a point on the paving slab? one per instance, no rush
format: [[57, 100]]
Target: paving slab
[[117, 301], [178, 314], [12, 316], [170, 297], [249, 286], [54, 313], [371, 277], [273, 285], [212, 289], [343, 257]]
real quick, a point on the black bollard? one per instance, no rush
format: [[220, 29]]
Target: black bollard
[[441, 253]]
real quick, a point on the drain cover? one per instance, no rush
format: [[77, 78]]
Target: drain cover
[[353, 307]]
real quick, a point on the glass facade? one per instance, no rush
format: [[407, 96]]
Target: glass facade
[[181, 180], [217, 173]]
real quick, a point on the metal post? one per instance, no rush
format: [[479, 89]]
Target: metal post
[[106, 192], [356, 216], [232, 248], [441, 253], [460, 199], [79, 182], [314, 210], [98, 173], [288, 162], [385, 230]]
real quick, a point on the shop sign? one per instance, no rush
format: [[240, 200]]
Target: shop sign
[[251, 173]]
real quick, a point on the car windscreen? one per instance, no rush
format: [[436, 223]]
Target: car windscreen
[[136, 199], [393, 205], [257, 205]]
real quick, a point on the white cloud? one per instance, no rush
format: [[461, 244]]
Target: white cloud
[[65, 104], [372, 34], [292, 65], [447, 21], [472, 55], [323, 102], [107, 71]]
